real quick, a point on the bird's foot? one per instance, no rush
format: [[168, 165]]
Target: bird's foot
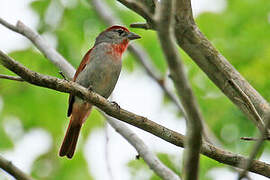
[[116, 105]]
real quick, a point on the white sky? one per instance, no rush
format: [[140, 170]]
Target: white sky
[[120, 152]]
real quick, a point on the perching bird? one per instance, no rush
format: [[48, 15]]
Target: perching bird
[[99, 70]]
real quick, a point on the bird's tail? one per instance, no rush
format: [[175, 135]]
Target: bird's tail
[[78, 116]]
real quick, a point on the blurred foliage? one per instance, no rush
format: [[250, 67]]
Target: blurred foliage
[[241, 32]]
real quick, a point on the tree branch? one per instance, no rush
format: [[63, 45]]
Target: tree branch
[[13, 170], [193, 142], [141, 122]]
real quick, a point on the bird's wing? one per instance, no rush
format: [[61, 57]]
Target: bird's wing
[[85, 61]]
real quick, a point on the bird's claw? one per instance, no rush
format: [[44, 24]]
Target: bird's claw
[[116, 105]]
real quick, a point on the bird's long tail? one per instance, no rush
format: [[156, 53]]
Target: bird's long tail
[[79, 114]]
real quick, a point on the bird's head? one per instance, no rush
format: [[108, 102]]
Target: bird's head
[[116, 35]]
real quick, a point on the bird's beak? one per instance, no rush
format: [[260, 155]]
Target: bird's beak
[[132, 36]]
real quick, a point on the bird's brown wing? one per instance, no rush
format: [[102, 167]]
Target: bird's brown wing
[[86, 60]]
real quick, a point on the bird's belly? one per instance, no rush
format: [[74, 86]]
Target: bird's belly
[[100, 76]]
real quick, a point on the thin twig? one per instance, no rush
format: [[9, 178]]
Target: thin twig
[[249, 105], [253, 139], [249, 139], [141, 122], [164, 18], [2, 76], [13, 170]]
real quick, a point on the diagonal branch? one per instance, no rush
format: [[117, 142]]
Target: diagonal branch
[[193, 142], [13, 170], [141, 122]]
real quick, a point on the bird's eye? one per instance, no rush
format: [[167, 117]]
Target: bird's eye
[[120, 31]]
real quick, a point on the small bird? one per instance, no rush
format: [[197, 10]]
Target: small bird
[[99, 71]]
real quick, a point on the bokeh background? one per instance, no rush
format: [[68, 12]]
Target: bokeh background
[[33, 119]]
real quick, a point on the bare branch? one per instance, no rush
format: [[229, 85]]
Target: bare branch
[[13, 170], [43, 46], [2, 76], [194, 118], [152, 161]]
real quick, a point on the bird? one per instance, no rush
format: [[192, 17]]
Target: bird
[[99, 71]]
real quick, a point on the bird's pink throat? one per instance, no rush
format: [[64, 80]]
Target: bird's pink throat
[[119, 49]]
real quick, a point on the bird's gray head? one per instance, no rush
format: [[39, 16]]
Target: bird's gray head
[[116, 35]]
